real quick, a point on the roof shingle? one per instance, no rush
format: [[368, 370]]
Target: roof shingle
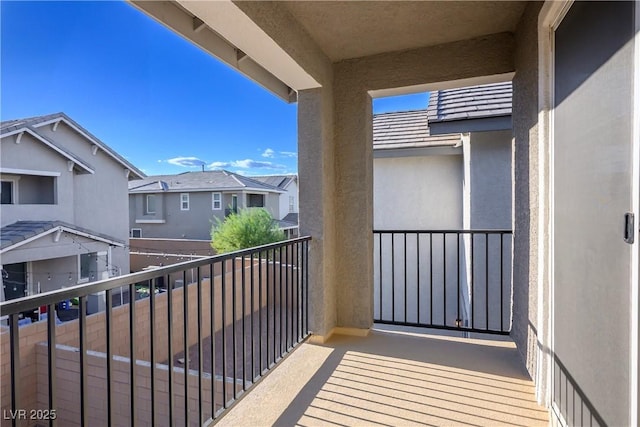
[[199, 181], [473, 102]]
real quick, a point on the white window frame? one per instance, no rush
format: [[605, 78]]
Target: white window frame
[[292, 204], [139, 230], [184, 201], [147, 211], [85, 279], [14, 189], [216, 205]]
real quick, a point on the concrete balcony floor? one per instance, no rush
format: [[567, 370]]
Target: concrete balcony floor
[[396, 378]]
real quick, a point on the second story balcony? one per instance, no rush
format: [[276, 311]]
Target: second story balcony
[[202, 334]]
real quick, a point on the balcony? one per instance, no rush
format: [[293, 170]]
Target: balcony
[[395, 377], [208, 332]]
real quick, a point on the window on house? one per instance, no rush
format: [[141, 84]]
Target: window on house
[[291, 204], [88, 266], [184, 201], [136, 232], [150, 207], [216, 201], [255, 200], [37, 190], [6, 192]]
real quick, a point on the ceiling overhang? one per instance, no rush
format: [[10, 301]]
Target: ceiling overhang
[[224, 31]]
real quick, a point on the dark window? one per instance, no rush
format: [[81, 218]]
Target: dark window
[[255, 200], [6, 192], [88, 266]]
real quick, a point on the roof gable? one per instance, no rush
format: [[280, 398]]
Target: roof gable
[[12, 127], [18, 132], [22, 232]]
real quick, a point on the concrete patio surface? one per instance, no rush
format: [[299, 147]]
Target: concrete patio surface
[[394, 378]]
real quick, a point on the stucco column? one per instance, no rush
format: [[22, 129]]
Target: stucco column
[[529, 323], [317, 203], [354, 199]]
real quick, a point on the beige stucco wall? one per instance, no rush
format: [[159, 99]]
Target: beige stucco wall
[[317, 203], [526, 195], [335, 145]]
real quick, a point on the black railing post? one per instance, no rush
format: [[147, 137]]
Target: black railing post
[[234, 320], [199, 328], [212, 301], [393, 279], [51, 358], [170, 358], [82, 338], [185, 331], [223, 308], [152, 346]]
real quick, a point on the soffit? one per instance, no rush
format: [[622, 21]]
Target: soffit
[[346, 29]]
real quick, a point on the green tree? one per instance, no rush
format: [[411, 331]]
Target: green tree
[[246, 229]]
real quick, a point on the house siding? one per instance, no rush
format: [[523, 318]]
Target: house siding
[[97, 202], [32, 154]]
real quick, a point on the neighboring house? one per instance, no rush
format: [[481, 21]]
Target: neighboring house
[[458, 150], [288, 220], [459, 179], [64, 204], [184, 206]]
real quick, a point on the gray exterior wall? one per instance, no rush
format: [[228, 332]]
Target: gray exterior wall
[[53, 273], [97, 202], [490, 181], [421, 192], [194, 223], [31, 154], [95, 192]]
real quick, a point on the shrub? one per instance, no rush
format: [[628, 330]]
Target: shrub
[[246, 229]]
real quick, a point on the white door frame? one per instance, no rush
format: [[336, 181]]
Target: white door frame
[[550, 17]]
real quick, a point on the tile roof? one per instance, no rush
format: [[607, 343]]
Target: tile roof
[[407, 129], [17, 232], [473, 102], [280, 181], [32, 123], [199, 181], [291, 217]]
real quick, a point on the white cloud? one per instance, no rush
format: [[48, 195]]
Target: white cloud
[[268, 153], [186, 162], [253, 164], [219, 165], [288, 154], [246, 164]]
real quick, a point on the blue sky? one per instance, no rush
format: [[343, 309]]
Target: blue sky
[[158, 100]]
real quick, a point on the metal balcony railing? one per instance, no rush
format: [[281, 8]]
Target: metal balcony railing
[[199, 338], [446, 279]]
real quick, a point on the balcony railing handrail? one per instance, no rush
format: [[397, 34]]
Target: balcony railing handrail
[[27, 303], [447, 231]]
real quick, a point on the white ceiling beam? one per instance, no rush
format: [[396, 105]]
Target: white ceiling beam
[[198, 29], [226, 19]]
